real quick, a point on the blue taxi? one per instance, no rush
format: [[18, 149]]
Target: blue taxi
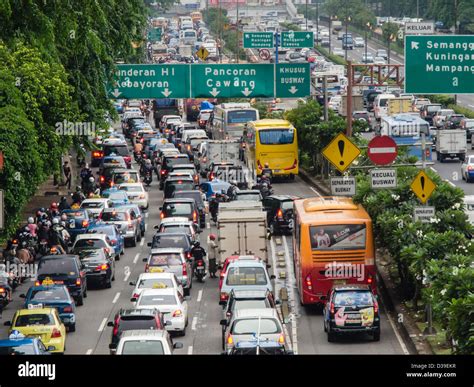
[[116, 196], [18, 344], [51, 295], [116, 238], [77, 222], [210, 188], [140, 215]]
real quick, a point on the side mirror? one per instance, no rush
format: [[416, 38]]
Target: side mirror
[[269, 266], [156, 227], [168, 323], [22, 296], [160, 208], [133, 299], [223, 323], [110, 324], [144, 259], [178, 345], [149, 244], [272, 277], [7, 323], [132, 283]]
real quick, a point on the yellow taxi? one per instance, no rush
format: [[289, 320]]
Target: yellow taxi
[[42, 323]]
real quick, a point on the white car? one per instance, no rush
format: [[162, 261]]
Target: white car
[[335, 103], [136, 193], [93, 240], [154, 281], [338, 51], [178, 224], [359, 42], [95, 205], [467, 169], [169, 302], [146, 342], [469, 208], [378, 60]]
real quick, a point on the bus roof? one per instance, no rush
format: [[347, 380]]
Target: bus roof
[[404, 119], [332, 208], [260, 124]]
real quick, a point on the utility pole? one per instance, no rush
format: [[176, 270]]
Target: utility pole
[[306, 15], [317, 22], [456, 31], [349, 99], [277, 41], [325, 88], [220, 32], [237, 29]]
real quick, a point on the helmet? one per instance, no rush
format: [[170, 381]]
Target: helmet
[[31, 220], [78, 188], [266, 165], [55, 221], [54, 206], [63, 223], [64, 199], [148, 162], [64, 217], [212, 237], [91, 179], [233, 182]]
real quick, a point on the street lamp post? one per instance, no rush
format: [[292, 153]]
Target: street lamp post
[[348, 19], [306, 15], [317, 21], [331, 18], [366, 37]]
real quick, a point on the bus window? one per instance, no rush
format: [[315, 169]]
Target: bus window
[[338, 237], [241, 116], [276, 136]]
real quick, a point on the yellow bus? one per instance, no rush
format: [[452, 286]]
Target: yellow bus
[[196, 16], [274, 142]]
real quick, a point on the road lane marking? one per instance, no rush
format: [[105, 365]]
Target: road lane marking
[[450, 182], [291, 294], [126, 277], [314, 190], [116, 298], [190, 350], [146, 215], [89, 352], [199, 297], [102, 324], [136, 258], [470, 105], [434, 170], [142, 242], [194, 323], [397, 335], [208, 225]]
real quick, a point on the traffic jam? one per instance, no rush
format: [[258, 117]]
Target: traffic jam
[[190, 231]]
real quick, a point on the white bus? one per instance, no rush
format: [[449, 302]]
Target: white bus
[[228, 120]]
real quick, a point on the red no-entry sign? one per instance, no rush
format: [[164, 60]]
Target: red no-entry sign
[[382, 150]]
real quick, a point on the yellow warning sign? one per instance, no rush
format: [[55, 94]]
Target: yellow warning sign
[[341, 152], [202, 53], [423, 186]]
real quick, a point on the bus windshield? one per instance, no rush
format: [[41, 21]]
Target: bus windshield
[[276, 136], [338, 237], [241, 116]]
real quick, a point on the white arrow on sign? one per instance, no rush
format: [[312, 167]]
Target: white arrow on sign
[[214, 92], [308, 36], [246, 92], [166, 93], [116, 93], [293, 89], [414, 45]]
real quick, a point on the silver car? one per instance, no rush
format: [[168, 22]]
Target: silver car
[[251, 324], [127, 222]]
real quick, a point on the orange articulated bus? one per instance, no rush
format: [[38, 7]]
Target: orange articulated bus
[[333, 244]]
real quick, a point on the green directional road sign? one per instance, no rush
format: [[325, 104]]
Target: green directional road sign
[[150, 81], [297, 39], [154, 35], [258, 40], [439, 64], [232, 80], [293, 80]]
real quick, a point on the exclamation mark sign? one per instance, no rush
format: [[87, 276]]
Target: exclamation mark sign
[[422, 181], [340, 145]]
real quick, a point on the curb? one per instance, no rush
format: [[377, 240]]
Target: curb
[[410, 333]]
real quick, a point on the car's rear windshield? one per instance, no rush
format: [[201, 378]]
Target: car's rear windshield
[[356, 298], [433, 108], [126, 177], [255, 325], [196, 195], [287, 205], [89, 243], [241, 116], [238, 276], [92, 205], [173, 228], [149, 283], [169, 241], [251, 304], [168, 259], [57, 266], [177, 209], [49, 294], [34, 319], [251, 197], [132, 188], [137, 322], [161, 299], [114, 216], [176, 160], [176, 186], [143, 347], [118, 150], [75, 215]]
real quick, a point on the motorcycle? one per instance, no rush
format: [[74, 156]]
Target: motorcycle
[[200, 269], [148, 178], [4, 293]]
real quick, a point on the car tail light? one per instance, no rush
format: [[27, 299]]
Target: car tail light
[[470, 167], [97, 154], [376, 306], [224, 296], [211, 176], [230, 340], [106, 249], [194, 216], [135, 295], [188, 255], [37, 283], [281, 339], [199, 263], [102, 267], [67, 309], [185, 271], [370, 279], [295, 163], [85, 223], [308, 282], [189, 147], [78, 282], [162, 215], [196, 178], [142, 196], [147, 266], [163, 171], [102, 179], [332, 307], [56, 333], [2, 290], [280, 213], [177, 313], [113, 242], [116, 325]]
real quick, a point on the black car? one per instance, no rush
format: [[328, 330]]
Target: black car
[[351, 309], [454, 121], [131, 125], [178, 240], [196, 195], [106, 177], [428, 111], [168, 162], [119, 149], [173, 184], [180, 207], [65, 269], [279, 210], [99, 267], [130, 319], [258, 348]]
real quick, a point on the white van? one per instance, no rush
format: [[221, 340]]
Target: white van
[[188, 36], [469, 207], [381, 105], [193, 133]]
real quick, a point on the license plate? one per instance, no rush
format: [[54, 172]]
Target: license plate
[[59, 282], [339, 282], [277, 170], [156, 270], [452, 155], [200, 268]]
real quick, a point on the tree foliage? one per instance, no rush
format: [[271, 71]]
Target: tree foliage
[[358, 12]]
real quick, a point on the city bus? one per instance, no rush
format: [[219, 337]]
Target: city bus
[[333, 244], [274, 142], [406, 130], [228, 120]]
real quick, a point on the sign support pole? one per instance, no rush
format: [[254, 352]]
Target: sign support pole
[[349, 99], [325, 86]]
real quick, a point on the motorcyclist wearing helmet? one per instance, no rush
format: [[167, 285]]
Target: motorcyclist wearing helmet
[[212, 250], [146, 167], [63, 204], [232, 190], [78, 196], [32, 227], [54, 210], [86, 172], [55, 237], [267, 172], [91, 186], [5, 280], [198, 253]]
